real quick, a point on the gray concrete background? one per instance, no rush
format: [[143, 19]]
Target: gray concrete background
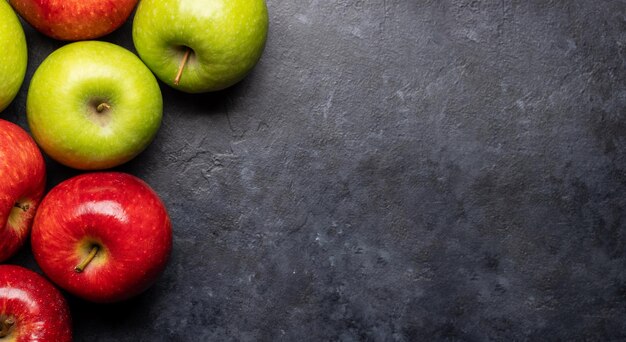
[[393, 170]]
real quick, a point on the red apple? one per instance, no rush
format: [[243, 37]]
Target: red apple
[[22, 183], [31, 309], [104, 237], [74, 19]]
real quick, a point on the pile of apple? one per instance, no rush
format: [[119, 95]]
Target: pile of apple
[[93, 105]]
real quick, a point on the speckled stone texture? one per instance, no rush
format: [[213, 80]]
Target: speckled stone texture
[[393, 170]]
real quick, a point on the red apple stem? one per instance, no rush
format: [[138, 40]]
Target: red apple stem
[[182, 66], [5, 326], [24, 206], [102, 107], [92, 254]]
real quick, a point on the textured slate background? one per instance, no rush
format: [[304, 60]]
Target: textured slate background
[[392, 170]]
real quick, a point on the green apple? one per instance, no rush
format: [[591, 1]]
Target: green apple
[[200, 45], [93, 105], [14, 57]]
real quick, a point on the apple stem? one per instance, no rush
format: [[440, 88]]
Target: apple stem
[[92, 254], [5, 326], [102, 107], [24, 207], [182, 66]]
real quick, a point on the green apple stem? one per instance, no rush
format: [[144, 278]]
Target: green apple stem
[[92, 254], [5, 326], [182, 66], [102, 107]]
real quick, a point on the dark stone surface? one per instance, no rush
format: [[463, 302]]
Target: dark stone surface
[[392, 170]]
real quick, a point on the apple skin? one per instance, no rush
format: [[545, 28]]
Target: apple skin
[[37, 309], [117, 212], [74, 19], [22, 183], [227, 38], [14, 55], [64, 95]]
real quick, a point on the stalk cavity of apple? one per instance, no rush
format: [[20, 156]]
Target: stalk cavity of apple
[[5, 326]]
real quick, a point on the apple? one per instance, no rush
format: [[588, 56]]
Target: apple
[[104, 237], [93, 105], [22, 183], [200, 45], [74, 19], [14, 56], [31, 309]]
